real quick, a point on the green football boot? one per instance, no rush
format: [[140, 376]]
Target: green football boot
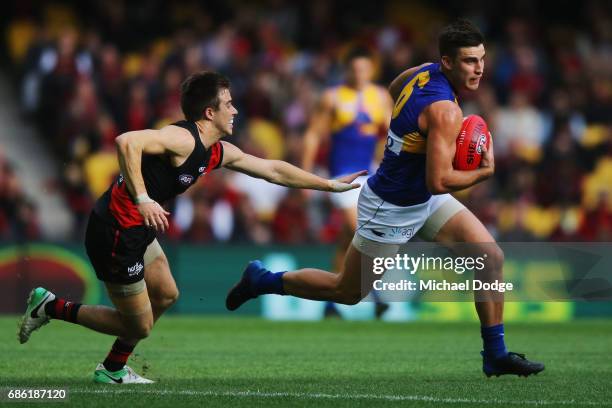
[[35, 316], [124, 376]]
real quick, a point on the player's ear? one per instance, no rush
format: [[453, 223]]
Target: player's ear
[[209, 113], [447, 62]]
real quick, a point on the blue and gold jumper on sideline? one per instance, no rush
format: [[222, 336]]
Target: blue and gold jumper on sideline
[[356, 126]]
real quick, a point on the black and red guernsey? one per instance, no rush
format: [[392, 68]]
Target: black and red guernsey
[[162, 180]]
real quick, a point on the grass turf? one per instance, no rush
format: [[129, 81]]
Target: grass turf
[[201, 361]]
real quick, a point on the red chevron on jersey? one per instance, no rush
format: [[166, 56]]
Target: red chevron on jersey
[[216, 155], [122, 207]]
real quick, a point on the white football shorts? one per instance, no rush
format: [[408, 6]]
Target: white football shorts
[[380, 222]]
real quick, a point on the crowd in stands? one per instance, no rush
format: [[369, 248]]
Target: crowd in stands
[[18, 215], [88, 73]]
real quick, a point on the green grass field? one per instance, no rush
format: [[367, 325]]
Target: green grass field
[[200, 361]]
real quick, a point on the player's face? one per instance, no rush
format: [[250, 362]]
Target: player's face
[[468, 66], [224, 116], [360, 71]]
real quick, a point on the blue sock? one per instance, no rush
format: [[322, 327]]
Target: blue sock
[[493, 341], [270, 283], [330, 306]]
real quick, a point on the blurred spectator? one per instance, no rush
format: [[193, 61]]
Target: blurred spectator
[[77, 194], [291, 220], [519, 129], [546, 95], [18, 216]]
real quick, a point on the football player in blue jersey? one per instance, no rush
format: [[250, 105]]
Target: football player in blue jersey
[[410, 195], [352, 116]]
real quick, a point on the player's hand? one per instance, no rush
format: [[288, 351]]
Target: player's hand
[[345, 183], [488, 158], [154, 216]]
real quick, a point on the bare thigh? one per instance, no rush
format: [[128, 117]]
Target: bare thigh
[[467, 236], [160, 282], [135, 312], [463, 227]]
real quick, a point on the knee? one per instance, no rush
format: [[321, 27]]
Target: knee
[[140, 330], [166, 299], [171, 298], [348, 296], [496, 257], [495, 261]]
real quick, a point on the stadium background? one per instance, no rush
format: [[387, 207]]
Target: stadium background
[[77, 74]]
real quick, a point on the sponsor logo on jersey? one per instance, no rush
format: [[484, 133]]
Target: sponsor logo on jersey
[[201, 169], [186, 179], [136, 269], [394, 143], [404, 232]]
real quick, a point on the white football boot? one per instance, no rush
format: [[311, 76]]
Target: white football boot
[[124, 376], [35, 316]]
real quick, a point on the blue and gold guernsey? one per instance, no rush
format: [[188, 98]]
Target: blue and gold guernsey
[[400, 179], [359, 117]]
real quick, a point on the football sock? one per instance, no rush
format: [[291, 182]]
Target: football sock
[[271, 283], [63, 310], [493, 341], [118, 356], [330, 306]]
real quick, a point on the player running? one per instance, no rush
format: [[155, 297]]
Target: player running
[[156, 166], [353, 115], [409, 195]]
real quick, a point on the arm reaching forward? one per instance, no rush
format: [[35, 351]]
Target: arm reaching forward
[[283, 173]]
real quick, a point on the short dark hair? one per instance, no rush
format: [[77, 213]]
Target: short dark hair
[[200, 91], [459, 33], [355, 52]]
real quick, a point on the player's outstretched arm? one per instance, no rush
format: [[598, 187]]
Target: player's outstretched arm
[[130, 147], [283, 173], [444, 119]]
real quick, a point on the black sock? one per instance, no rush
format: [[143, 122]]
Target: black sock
[[118, 355], [63, 310]]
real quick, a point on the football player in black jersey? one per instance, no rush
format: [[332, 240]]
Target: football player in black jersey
[[156, 166]]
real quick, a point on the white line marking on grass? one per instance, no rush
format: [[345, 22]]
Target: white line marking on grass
[[306, 395]]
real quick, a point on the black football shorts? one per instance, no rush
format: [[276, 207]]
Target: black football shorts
[[117, 254]]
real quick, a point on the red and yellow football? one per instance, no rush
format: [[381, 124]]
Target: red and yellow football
[[473, 135]]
